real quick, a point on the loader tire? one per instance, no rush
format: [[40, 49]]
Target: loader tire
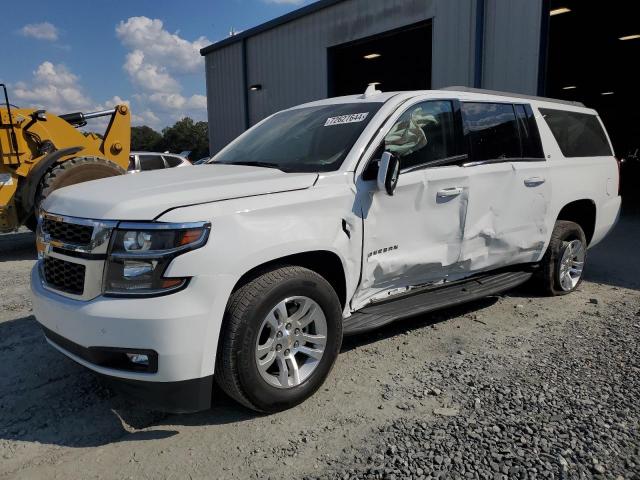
[[75, 170]]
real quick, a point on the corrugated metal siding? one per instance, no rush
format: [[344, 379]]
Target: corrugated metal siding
[[512, 45], [453, 43], [224, 95], [290, 60]]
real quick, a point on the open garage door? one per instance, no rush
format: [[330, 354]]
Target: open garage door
[[397, 60], [593, 54]]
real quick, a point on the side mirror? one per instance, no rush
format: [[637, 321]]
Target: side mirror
[[388, 173]]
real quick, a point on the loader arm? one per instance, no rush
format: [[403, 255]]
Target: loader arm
[[33, 142]]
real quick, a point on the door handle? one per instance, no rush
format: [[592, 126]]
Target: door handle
[[449, 192], [534, 181]]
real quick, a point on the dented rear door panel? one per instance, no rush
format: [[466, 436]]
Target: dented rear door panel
[[505, 222]]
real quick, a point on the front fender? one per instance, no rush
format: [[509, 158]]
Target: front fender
[[249, 232]]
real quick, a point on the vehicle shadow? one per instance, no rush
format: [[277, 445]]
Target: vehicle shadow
[[47, 398], [410, 324], [616, 260], [17, 246]]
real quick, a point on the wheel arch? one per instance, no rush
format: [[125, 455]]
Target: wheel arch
[[324, 262], [582, 212]]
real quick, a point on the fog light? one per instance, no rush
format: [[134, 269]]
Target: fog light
[[138, 359], [133, 269]]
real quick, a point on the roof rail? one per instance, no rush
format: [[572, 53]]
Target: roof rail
[[515, 95]]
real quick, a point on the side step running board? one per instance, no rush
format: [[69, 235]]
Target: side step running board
[[431, 298]]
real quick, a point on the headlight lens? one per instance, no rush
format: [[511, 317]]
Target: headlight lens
[[136, 241], [140, 254]]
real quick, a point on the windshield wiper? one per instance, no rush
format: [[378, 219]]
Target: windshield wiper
[[257, 164]]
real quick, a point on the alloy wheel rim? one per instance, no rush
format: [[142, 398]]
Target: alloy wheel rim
[[291, 342], [571, 264]]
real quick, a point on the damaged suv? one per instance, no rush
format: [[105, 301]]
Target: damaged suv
[[331, 218]]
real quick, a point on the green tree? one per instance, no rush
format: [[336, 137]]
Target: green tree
[[145, 139], [186, 134]]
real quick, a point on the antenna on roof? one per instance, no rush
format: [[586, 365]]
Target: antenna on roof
[[371, 90]]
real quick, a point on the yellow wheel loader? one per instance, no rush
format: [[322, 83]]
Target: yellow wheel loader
[[41, 152]]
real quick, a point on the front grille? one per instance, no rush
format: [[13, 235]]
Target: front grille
[[64, 276], [67, 232]]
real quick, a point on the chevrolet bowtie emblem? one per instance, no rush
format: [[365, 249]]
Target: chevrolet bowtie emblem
[[43, 245]]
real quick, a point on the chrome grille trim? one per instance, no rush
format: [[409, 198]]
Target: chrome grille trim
[[94, 268], [100, 236]]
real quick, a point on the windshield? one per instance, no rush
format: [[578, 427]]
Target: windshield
[[311, 139]]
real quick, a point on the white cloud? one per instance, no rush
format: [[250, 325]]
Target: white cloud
[[157, 61], [41, 31], [53, 87], [160, 47], [146, 117], [149, 76], [173, 101], [154, 64], [57, 75]]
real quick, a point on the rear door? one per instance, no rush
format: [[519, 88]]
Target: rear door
[[533, 188], [505, 220]]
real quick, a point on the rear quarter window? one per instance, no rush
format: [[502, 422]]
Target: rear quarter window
[[578, 134]]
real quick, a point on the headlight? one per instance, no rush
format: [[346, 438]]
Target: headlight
[[140, 253]]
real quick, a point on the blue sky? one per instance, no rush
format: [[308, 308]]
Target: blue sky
[[70, 55]]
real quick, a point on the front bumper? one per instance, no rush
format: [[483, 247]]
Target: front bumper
[[176, 397], [181, 328]]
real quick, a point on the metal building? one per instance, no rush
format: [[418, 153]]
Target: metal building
[[337, 47]]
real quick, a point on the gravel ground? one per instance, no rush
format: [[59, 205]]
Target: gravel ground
[[515, 386], [561, 404]]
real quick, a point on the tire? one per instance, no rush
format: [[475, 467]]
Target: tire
[[249, 322], [550, 280], [75, 170]]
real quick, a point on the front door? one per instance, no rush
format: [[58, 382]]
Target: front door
[[413, 237]]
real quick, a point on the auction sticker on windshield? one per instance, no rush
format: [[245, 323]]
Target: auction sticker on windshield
[[351, 118]]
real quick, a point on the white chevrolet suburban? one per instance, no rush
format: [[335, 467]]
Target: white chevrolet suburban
[[330, 218]]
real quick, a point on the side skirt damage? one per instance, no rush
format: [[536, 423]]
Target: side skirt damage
[[433, 298]]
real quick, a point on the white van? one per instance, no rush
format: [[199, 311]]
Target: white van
[[330, 218]]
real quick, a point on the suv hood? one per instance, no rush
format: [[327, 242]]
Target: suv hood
[[144, 196]]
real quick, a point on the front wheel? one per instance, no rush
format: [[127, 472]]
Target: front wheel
[[563, 263], [281, 335]]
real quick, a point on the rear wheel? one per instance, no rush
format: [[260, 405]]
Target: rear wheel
[[282, 334], [563, 264]]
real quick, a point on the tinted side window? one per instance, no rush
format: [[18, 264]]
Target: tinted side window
[[577, 134], [529, 135], [151, 162], [172, 161], [491, 130], [423, 134]]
